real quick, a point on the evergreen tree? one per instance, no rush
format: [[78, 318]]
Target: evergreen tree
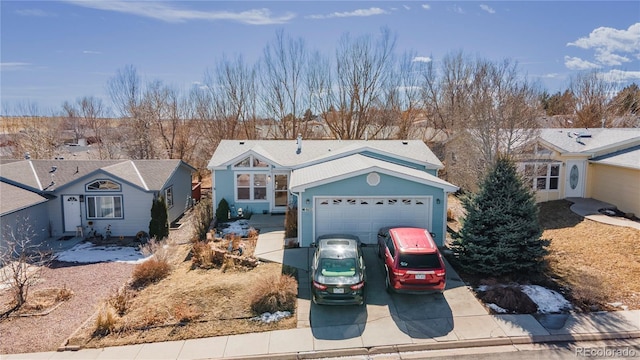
[[501, 233], [222, 212], [159, 224]]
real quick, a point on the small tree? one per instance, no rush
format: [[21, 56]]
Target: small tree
[[203, 215], [501, 233], [222, 212], [21, 259], [159, 224]]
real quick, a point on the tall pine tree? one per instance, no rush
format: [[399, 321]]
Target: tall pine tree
[[159, 224], [501, 234]]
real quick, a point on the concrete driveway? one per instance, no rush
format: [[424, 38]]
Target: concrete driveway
[[388, 318]]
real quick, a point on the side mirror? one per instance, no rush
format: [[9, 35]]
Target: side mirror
[[363, 244], [312, 245]]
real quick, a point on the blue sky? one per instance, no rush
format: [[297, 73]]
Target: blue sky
[[52, 51]]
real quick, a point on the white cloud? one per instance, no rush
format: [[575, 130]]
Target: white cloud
[[550, 75], [165, 12], [609, 44], [575, 63], [406, 7], [8, 66], [91, 52], [487, 8], [34, 12], [457, 9], [424, 59], [426, 6], [356, 13], [621, 76]]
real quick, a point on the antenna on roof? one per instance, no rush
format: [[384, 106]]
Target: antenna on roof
[[53, 169], [299, 143]]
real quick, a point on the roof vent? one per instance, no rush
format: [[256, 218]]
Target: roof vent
[[241, 142], [299, 143], [53, 169], [405, 142]]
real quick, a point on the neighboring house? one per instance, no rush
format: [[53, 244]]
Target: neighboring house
[[343, 186], [58, 196], [602, 164]]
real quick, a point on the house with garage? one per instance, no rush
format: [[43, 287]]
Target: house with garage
[[76, 197], [336, 186], [601, 163]]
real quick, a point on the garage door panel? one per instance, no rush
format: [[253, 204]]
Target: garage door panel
[[364, 216]]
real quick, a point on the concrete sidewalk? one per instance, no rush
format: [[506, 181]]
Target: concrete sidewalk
[[388, 324], [588, 208]]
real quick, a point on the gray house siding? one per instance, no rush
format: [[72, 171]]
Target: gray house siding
[[36, 216], [180, 183]]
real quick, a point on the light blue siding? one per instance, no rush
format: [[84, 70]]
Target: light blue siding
[[388, 186], [36, 216]]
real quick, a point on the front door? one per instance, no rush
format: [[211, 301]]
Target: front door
[[71, 212], [574, 179], [280, 192]]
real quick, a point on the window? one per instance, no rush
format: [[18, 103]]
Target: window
[[542, 176], [251, 162], [103, 185], [251, 186], [104, 207], [168, 196]]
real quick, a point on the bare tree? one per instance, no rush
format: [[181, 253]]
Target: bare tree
[[34, 134], [362, 71], [283, 67], [87, 115], [592, 92], [125, 89], [21, 258]]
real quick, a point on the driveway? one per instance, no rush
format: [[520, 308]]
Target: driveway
[[388, 318]]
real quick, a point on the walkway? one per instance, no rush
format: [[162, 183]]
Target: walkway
[[588, 208], [388, 324]]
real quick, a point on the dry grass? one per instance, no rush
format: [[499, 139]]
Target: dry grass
[[190, 303], [277, 293], [598, 263]]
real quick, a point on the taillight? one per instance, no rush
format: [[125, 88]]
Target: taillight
[[440, 273], [357, 286], [319, 286]]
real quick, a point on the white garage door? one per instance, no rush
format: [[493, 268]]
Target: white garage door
[[363, 216]]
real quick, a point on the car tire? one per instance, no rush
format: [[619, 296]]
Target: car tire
[[387, 282]]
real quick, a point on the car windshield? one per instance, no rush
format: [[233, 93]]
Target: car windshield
[[419, 261], [338, 267]]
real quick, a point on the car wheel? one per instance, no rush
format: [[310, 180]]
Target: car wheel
[[387, 282]]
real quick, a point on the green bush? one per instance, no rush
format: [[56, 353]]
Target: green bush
[[222, 212], [159, 224]]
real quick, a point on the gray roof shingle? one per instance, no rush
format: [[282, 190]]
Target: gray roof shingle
[[13, 198], [567, 140]]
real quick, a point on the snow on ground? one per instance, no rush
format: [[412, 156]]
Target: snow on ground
[[548, 301], [238, 227], [87, 252], [497, 308], [269, 317]]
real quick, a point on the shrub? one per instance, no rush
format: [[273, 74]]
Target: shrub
[[64, 294], [203, 215], [275, 293], [202, 255], [222, 212], [121, 300], [510, 298], [150, 271], [159, 224], [252, 233], [450, 216], [291, 222], [184, 312], [106, 321]]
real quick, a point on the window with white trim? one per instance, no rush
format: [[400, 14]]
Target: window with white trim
[[103, 185], [104, 207], [251, 186], [168, 196], [251, 162], [542, 176]]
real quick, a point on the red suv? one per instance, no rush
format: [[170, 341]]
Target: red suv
[[412, 260]]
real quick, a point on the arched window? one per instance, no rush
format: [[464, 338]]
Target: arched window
[[103, 185]]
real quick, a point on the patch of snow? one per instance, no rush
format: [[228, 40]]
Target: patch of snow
[[482, 288], [548, 301], [238, 227], [89, 253], [269, 317], [497, 309]]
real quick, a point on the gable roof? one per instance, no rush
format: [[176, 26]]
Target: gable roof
[[14, 198], [358, 164], [38, 175], [283, 153], [628, 158], [597, 142]]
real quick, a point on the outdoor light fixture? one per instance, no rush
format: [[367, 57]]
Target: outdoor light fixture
[[438, 201], [308, 201]]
